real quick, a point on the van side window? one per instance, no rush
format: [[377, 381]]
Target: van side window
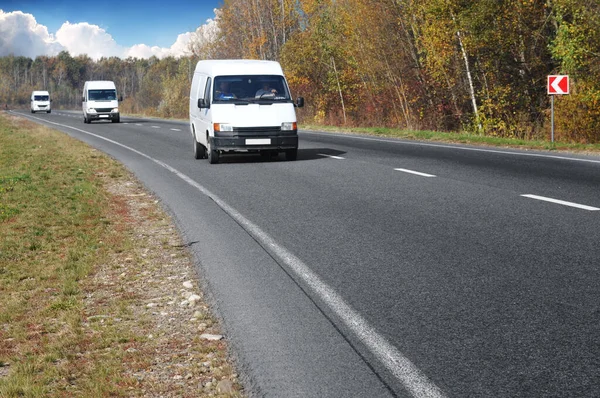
[[207, 91]]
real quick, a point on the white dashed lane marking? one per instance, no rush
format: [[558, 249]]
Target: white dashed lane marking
[[175, 129], [561, 202], [415, 172], [331, 156]]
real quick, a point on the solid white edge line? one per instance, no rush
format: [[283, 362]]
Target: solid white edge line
[[416, 172], [539, 155], [561, 202], [416, 382], [331, 156]]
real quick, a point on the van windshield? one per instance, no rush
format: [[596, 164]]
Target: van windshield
[[102, 95], [41, 98], [251, 88]]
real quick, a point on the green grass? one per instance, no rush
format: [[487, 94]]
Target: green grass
[[56, 231], [463, 138]]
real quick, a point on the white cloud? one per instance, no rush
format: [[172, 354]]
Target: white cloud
[[144, 51], [182, 45], [20, 34], [179, 48], [83, 38], [204, 34]]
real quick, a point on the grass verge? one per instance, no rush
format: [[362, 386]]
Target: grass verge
[[82, 274], [462, 138]]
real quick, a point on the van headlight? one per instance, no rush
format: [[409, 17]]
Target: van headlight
[[222, 127], [288, 126], [91, 110], [115, 110]]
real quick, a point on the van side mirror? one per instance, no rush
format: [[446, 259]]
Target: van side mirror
[[120, 98], [299, 102], [82, 99], [202, 103]]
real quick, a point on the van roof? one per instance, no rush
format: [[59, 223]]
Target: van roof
[[40, 93], [99, 84], [228, 67]]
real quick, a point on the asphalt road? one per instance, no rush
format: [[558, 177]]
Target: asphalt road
[[375, 267]]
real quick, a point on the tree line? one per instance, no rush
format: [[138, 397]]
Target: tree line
[[447, 65]]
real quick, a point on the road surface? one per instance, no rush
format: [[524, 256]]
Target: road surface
[[373, 267]]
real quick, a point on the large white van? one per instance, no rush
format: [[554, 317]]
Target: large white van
[[99, 101], [40, 102], [242, 105]]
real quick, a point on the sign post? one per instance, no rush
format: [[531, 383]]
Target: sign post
[[552, 116], [557, 85]]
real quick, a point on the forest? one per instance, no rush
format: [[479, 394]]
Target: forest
[[443, 65]]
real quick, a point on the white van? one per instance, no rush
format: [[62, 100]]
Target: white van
[[100, 101], [40, 102], [242, 105]]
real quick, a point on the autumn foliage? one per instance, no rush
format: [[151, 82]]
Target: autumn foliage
[[448, 65]]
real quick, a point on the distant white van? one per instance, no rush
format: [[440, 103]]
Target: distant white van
[[100, 101], [242, 105], [40, 102]]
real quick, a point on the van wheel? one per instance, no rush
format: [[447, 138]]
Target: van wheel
[[117, 119], [85, 119], [213, 155], [291, 154], [49, 111], [199, 150]]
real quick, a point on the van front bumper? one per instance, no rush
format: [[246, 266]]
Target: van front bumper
[[234, 142], [103, 116]]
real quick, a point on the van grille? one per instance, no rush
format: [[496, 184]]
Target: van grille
[[256, 130], [104, 109]]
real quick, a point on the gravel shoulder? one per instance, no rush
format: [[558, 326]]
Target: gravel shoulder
[[180, 350]]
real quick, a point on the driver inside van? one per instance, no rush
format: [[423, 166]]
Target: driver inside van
[[266, 90]]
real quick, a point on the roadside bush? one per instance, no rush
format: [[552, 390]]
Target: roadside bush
[[577, 115]]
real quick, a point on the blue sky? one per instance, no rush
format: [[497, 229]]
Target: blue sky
[[155, 23], [129, 24]]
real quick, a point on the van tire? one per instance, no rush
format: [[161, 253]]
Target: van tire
[[49, 112], [199, 150], [116, 119], [213, 155], [291, 154]]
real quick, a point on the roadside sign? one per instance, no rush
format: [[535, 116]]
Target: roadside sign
[[558, 84]]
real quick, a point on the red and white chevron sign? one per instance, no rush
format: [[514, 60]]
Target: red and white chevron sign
[[558, 84]]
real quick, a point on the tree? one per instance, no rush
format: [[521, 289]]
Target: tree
[[577, 48]]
